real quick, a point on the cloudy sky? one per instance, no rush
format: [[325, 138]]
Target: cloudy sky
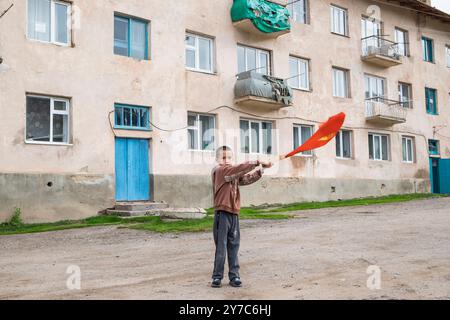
[[443, 5]]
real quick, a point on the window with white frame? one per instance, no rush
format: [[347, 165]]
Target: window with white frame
[[340, 83], [447, 55], [401, 38], [47, 119], [201, 135], [256, 136], [378, 147], [299, 73], [298, 9], [49, 21], [253, 59], [344, 144], [374, 87], [405, 94], [301, 134], [339, 21], [199, 53], [408, 149]]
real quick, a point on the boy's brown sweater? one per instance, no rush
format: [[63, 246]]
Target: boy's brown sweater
[[226, 180]]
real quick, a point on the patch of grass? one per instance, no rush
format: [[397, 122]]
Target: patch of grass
[[152, 223]]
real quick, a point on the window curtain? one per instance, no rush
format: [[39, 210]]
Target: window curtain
[[39, 20], [138, 39]]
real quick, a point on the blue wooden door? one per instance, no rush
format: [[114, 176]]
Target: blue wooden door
[[132, 176], [444, 175]]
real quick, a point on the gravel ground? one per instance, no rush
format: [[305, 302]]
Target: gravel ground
[[321, 254]]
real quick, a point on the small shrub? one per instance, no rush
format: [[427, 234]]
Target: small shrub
[[16, 219]]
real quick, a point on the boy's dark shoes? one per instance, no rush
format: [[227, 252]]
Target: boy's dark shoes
[[216, 283], [236, 282]]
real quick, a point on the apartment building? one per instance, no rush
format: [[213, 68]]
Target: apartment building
[[107, 101]]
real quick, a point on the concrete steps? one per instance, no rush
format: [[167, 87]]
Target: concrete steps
[[162, 209]]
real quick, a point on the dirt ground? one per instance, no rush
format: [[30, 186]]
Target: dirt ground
[[321, 254]]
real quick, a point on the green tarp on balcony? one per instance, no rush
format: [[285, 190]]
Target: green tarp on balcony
[[266, 16]]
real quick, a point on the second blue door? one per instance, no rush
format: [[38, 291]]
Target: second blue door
[[132, 174]]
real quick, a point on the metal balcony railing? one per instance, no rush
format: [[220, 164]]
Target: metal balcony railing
[[380, 109], [376, 45]]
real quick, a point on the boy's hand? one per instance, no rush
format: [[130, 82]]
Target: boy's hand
[[266, 164]]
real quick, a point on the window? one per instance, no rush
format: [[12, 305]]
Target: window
[[201, 131], [405, 94], [447, 55], [433, 147], [371, 30], [298, 10], [49, 21], [374, 87], [131, 117], [408, 149], [199, 53], [344, 144], [299, 73], [430, 101], [256, 136], [340, 83], [401, 38], [47, 119], [378, 146], [427, 45], [253, 59], [339, 24], [131, 37], [301, 134]]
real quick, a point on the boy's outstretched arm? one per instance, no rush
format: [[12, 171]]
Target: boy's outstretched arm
[[250, 178]]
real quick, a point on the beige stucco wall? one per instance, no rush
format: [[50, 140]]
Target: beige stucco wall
[[94, 79]]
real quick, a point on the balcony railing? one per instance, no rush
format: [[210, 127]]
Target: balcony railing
[[380, 51], [254, 89], [384, 111]]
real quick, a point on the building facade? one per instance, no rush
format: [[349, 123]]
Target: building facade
[[107, 101]]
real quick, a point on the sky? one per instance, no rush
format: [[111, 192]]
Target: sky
[[443, 5]]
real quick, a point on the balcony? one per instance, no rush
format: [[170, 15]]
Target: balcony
[[261, 17], [381, 52], [385, 112], [257, 90]]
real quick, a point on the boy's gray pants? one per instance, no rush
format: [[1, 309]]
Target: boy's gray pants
[[227, 238]]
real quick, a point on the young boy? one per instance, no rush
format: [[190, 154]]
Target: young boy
[[226, 179]]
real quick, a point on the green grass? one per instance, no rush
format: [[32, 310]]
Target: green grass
[[15, 226]]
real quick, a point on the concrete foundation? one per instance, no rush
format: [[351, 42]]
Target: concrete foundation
[[52, 197]]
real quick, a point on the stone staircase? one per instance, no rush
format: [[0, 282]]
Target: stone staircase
[[149, 208]]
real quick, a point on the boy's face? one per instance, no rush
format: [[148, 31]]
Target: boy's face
[[225, 157]]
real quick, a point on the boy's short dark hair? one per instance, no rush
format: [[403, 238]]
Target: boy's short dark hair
[[222, 148]]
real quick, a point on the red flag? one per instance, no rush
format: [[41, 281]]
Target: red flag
[[326, 132]]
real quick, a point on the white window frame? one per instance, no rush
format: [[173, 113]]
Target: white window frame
[[378, 81], [258, 60], [405, 44], [400, 94], [341, 143], [197, 128], [196, 49], [305, 7], [381, 146], [411, 144], [260, 138], [346, 82], [299, 61], [342, 13], [52, 24], [308, 153], [447, 55], [52, 112]]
